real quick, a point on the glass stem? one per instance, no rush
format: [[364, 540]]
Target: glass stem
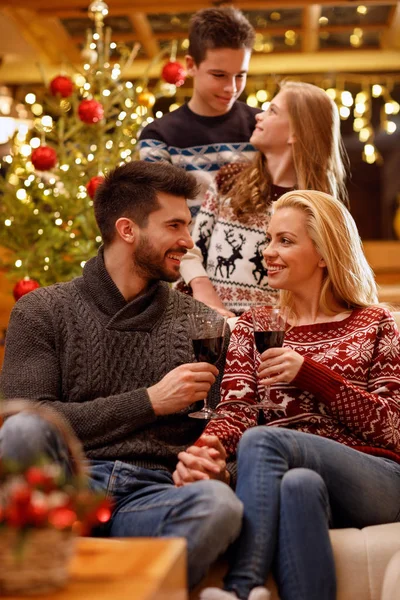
[[206, 406]]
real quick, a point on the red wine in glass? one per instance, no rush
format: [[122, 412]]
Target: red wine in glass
[[208, 333], [269, 326], [208, 349], [268, 339]]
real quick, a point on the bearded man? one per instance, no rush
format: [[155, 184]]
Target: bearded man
[[111, 352]]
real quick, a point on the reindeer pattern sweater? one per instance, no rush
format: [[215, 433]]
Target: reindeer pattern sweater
[[232, 250], [347, 389]]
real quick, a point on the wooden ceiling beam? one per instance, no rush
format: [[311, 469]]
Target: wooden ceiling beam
[[391, 37], [140, 5], [36, 4], [22, 20], [355, 61], [78, 8], [310, 31], [144, 33], [46, 36]]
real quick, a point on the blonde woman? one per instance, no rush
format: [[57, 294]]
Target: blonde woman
[[299, 146], [329, 455]]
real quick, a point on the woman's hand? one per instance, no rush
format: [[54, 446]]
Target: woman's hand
[[204, 291], [205, 460], [279, 365]]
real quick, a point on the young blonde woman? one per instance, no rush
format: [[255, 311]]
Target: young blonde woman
[[329, 455], [299, 146]]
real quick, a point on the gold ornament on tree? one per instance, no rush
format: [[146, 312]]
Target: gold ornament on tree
[[146, 99]]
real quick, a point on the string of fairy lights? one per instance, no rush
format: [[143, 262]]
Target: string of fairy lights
[[351, 104]]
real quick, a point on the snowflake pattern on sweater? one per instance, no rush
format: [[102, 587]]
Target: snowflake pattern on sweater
[[347, 390], [199, 144]]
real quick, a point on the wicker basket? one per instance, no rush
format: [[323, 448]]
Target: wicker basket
[[40, 564]]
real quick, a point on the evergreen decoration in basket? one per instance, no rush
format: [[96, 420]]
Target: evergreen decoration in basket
[[42, 510]]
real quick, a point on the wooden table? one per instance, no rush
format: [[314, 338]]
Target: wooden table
[[128, 569]]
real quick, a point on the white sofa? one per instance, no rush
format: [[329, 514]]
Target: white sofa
[[367, 561], [391, 583], [367, 565]]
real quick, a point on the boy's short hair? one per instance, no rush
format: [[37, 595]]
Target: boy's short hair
[[130, 190], [223, 27]]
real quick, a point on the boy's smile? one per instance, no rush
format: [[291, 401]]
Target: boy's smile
[[218, 80]]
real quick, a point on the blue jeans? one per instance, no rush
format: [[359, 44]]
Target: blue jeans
[[146, 502], [294, 486]]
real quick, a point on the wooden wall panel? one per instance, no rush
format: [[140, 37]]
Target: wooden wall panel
[[6, 304]]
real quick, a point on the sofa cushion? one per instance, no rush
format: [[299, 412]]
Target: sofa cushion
[[391, 582]]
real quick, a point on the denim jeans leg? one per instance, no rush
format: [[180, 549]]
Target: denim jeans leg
[[206, 513], [209, 516], [362, 490], [27, 438], [305, 563], [258, 488]]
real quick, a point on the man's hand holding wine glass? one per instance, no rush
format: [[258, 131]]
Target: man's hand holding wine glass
[[279, 365], [181, 387]]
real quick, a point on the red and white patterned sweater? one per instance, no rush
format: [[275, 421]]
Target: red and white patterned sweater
[[348, 388]]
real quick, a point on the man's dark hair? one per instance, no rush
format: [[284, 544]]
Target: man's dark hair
[[131, 190], [223, 27]]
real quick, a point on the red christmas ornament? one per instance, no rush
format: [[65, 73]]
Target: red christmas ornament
[[23, 287], [90, 111], [103, 512], [62, 517], [61, 85], [93, 184], [38, 478], [174, 72], [44, 158]]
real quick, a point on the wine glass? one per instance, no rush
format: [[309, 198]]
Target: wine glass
[[207, 331], [269, 326]]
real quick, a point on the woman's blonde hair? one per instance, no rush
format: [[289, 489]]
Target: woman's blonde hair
[[348, 279], [319, 157]]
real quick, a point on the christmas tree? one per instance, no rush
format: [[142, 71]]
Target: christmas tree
[[89, 125]]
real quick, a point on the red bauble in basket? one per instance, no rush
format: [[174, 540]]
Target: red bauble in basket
[[93, 184], [44, 158], [90, 111], [61, 85], [23, 287], [174, 72]]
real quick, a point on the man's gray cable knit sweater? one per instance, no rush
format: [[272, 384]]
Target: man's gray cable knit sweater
[[81, 348]]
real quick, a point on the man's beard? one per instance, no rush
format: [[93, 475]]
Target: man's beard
[[150, 265]]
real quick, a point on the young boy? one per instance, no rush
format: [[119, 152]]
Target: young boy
[[212, 129]]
